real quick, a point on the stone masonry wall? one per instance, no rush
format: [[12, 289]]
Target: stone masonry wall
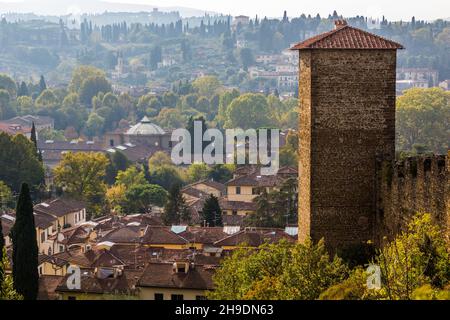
[[415, 185], [347, 120]]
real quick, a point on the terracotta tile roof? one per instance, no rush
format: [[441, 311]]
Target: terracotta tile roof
[[203, 235], [161, 236], [127, 234], [161, 275], [14, 128], [84, 146], [42, 258], [232, 220], [237, 205], [77, 257], [255, 237], [75, 235], [43, 220], [191, 191], [27, 120], [252, 177], [347, 37], [143, 219], [59, 207], [90, 283], [210, 183]]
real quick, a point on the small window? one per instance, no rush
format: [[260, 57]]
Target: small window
[[234, 212], [111, 143], [177, 297], [71, 298], [40, 271], [255, 190], [238, 190], [159, 296], [42, 236]]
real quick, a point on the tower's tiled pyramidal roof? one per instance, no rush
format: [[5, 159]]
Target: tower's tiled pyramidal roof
[[347, 37]]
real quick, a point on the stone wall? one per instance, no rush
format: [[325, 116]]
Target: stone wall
[[347, 119], [414, 185]]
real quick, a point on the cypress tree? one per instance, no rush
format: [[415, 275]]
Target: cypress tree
[[42, 84], [25, 248], [23, 90], [33, 137], [211, 212], [175, 210]]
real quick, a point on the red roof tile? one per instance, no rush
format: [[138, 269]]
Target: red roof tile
[[347, 37]]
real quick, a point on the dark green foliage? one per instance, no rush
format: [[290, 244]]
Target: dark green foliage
[[91, 87], [117, 162], [221, 173], [42, 85], [211, 212], [19, 162], [25, 248], [357, 255], [23, 90], [175, 210], [33, 137], [140, 197]]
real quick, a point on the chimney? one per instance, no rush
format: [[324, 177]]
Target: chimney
[[339, 24]]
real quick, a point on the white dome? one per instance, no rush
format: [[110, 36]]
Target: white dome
[[145, 127]]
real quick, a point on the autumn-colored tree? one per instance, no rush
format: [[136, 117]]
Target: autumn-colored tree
[[82, 175]]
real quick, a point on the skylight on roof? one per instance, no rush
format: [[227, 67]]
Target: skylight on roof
[[121, 148], [178, 229], [46, 205]]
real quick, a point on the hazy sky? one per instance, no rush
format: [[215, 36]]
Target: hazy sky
[[392, 9]]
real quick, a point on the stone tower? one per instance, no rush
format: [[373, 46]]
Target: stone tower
[[347, 120]]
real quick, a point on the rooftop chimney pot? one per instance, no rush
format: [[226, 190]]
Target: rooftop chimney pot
[[340, 23]]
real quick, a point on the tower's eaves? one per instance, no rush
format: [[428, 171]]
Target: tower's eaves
[[347, 37]]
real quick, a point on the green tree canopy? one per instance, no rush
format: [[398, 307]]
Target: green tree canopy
[[19, 162], [207, 86], [248, 111], [278, 271], [91, 86], [8, 84], [423, 117]]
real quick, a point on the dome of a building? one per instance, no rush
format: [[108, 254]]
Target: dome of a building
[[145, 127]]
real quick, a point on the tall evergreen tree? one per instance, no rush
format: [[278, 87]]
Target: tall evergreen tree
[[25, 248], [211, 212], [42, 84], [23, 90], [175, 210], [33, 136]]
